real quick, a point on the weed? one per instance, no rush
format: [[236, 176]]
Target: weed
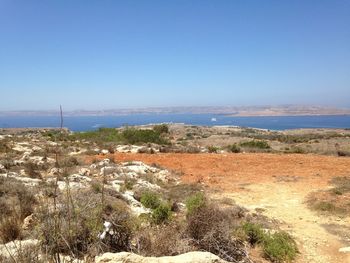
[[161, 213], [195, 202], [254, 233], [150, 200], [280, 247]]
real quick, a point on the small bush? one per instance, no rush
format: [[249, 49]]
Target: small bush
[[161, 214], [164, 240], [342, 184], [195, 202], [295, 149], [4, 147], [256, 144], [325, 206], [161, 128], [213, 149], [10, 229], [137, 136], [280, 247], [254, 233], [150, 200], [32, 170], [343, 153], [14, 195], [101, 135], [69, 162], [74, 227], [210, 229], [234, 148]]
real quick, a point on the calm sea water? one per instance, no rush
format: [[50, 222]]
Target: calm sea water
[[84, 123]]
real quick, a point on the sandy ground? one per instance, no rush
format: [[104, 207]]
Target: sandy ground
[[277, 185]]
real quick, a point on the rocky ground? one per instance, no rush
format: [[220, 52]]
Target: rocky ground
[[74, 197]]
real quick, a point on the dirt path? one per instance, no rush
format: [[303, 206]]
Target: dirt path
[[278, 184]]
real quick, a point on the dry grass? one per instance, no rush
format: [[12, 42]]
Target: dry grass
[[335, 201], [17, 202]]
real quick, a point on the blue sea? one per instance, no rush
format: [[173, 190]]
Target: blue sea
[[84, 123]]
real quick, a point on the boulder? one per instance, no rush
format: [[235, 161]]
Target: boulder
[[13, 248], [190, 257]]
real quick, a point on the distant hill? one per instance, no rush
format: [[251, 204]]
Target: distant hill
[[284, 110]]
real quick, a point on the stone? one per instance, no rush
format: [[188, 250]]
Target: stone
[[104, 151], [344, 249], [135, 206], [28, 222], [84, 171], [190, 257], [55, 171], [11, 249]]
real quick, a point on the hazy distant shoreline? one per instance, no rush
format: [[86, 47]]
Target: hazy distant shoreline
[[246, 111], [85, 123]]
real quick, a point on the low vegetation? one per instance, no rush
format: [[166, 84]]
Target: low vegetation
[[127, 135], [161, 210], [234, 148], [332, 201], [255, 144], [71, 218], [278, 246]]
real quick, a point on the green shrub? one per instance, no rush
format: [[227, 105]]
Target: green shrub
[[295, 149], [213, 149], [161, 214], [256, 144], [254, 233], [135, 136], [234, 148], [280, 247], [150, 200], [161, 128], [100, 135], [195, 202]]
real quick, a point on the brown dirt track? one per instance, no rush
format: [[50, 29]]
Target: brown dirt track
[[278, 184]]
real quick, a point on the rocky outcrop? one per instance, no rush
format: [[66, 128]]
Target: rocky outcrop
[[190, 257]]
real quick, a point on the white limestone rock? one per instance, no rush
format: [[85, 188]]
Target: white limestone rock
[[190, 257]]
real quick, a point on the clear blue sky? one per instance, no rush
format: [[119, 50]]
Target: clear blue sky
[[115, 54]]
